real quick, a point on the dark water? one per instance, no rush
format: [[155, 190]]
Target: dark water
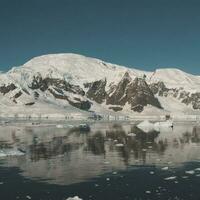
[[104, 163]]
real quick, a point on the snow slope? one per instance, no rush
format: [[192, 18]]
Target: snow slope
[[78, 70]]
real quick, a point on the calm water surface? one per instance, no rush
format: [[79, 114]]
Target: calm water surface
[[105, 163]]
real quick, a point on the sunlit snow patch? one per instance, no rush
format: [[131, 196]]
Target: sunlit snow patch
[[74, 198], [10, 152]]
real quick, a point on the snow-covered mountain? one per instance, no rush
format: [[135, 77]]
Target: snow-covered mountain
[[73, 85]]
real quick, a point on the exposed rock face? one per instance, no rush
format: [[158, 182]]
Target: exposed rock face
[[139, 95], [116, 108], [44, 84], [134, 92], [97, 91], [76, 102], [6, 89], [185, 97], [193, 99], [118, 94]]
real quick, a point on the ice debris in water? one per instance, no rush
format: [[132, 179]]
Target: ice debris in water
[[74, 198], [170, 178], [190, 172], [10, 152], [119, 145], [146, 126], [59, 126], [165, 168], [131, 134]]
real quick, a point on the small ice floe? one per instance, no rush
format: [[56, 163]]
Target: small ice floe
[[28, 197], [59, 126], [70, 126], [170, 178], [185, 177], [131, 134], [198, 175], [165, 168], [144, 150], [106, 162], [190, 172], [10, 152], [114, 173], [119, 145], [146, 126], [74, 198], [148, 192], [176, 182], [152, 172], [197, 169], [167, 124], [107, 179]]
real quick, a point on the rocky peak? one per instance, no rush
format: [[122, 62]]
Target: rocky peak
[[96, 90]]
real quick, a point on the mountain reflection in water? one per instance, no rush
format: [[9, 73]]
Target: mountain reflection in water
[[65, 156]]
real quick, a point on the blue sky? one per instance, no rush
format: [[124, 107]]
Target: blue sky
[[137, 33]]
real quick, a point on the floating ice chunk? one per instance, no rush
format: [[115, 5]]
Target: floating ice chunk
[[146, 126], [170, 178], [165, 168], [119, 145], [148, 192], [28, 197], [190, 172], [59, 126], [197, 169], [74, 198], [10, 152], [144, 150], [164, 124], [131, 134], [152, 172], [198, 175]]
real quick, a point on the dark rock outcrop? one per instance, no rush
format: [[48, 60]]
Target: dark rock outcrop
[[97, 91], [7, 88], [183, 96], [59, 84], [137, 93], [76, 102], [117, 94]]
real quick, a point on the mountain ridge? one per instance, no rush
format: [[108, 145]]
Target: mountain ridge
[[79, 83]]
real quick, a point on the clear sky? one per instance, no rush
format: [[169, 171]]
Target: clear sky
[[146, 34]]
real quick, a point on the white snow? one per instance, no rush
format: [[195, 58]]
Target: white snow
[[146, 126], [170, 178], [74, 198], [10, 152], [190, 172], [78, 69], [165, 168]]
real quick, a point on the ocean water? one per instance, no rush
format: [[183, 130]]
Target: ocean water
[[111, 161]]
